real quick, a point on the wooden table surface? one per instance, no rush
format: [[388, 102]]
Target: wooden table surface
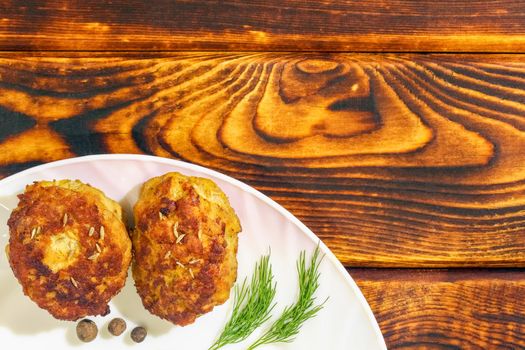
[[395, 130]]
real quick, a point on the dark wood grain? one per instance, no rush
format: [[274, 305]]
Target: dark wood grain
[[291, 25], [425, 309], [396, 160]]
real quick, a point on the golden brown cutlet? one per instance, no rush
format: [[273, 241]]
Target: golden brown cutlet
[[68, 248], [185, 245]]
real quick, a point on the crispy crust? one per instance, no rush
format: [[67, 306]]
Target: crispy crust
[[54, 258], [184, 274]]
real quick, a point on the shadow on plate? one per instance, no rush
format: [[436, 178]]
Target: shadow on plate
[[127, 204], [129, 305], [19, 314]]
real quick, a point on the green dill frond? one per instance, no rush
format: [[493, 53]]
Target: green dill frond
[[288, 325], [252, 305]]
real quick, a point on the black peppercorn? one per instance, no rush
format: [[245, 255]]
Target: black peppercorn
[[138, 334], [87, 330]]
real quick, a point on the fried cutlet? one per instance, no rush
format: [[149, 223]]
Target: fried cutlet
[[68, 248], [185, 245]]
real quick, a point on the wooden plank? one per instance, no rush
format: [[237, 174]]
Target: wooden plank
[[447, 309], [291, 25], [393, 160]]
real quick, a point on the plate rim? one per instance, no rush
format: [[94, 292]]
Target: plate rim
[[237, 183]]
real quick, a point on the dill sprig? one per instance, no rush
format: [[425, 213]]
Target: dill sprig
[[288, 325], [251, 307]]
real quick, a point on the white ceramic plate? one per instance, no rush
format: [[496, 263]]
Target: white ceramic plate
[[346, 322]]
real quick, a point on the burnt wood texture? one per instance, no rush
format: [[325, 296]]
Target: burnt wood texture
[[409, 165], [440, 309], [420, 157], [291, 25]]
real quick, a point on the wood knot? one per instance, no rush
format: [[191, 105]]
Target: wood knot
[[317, 66]]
